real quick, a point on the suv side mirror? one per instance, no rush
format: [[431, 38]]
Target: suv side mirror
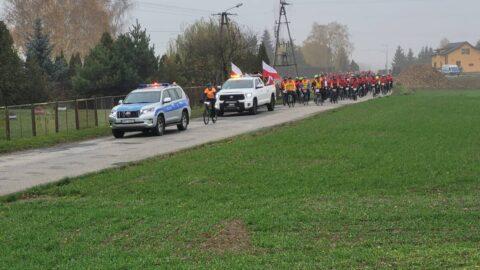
[[120, 102], [167, 100]]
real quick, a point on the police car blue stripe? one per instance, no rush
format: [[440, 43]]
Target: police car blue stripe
[[173, 107]]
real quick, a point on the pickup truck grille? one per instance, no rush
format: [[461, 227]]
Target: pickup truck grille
[[232, 97], [132, 114]]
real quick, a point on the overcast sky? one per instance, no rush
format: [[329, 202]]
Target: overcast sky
[[373, 24]]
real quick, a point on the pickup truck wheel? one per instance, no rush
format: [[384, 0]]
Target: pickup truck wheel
[[271, 105], [159, 130], [118, 134], [253, 110], [184, 122]]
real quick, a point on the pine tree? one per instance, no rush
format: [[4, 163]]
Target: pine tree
[[61, 77], [425, 55], [145, 61], [11, 73], [74, 64], [97, 76], [37, 86], [399, 60], [410, 58], [268, 43], [262, 56], [115, 67], [39, 48]]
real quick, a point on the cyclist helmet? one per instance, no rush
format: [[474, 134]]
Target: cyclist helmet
[[209, 85]]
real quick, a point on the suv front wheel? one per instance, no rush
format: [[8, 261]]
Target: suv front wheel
[[253, 110], [159, 130], [118, 133], [271, 105]]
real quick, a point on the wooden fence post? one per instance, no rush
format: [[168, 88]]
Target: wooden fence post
[[77, 119], [7, 123], [57, 128], [86, 110], [95, 110], [34, 122]]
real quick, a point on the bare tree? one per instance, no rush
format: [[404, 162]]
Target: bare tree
[[74, 26], [328, 45], [206, 55]]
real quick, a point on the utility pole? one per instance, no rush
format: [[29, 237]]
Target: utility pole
[[386, 58], [225, 23], [282, 57]]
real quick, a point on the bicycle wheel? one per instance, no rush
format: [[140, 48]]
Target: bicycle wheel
[[214, 118], [206, 116]]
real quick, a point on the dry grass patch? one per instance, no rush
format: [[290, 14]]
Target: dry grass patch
[[231, 236]]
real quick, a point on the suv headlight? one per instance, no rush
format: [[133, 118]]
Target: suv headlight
[[145, 111], [249, 95], [113, 112]]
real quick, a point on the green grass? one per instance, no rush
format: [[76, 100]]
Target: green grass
[[52, 139], [22, 138], [389, 183], [21, 127]]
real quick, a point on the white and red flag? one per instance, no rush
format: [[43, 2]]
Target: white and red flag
[[236, 71], [269, 71]]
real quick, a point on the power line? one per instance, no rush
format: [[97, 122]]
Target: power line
[[171, 7], [169, 13]]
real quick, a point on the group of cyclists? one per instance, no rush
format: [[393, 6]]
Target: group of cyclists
[[334, 86], [331, 86]]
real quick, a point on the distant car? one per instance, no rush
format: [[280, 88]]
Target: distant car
[[245, 94], [151, 107], [450, 70]]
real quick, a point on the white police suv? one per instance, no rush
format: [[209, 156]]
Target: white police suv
[[151, 107]]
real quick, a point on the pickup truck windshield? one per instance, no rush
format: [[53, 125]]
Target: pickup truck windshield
[[238, 84], [143, 97]]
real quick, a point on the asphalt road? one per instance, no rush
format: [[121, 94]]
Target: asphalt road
[[22, 170]]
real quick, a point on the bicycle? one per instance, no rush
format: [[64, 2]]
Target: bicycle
[[334, 96], [306, 97], [290, 100], [318, 98], [207, 114]]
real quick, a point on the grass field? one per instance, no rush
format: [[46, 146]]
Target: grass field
[[21, 126], [389, 183], [21, 129]]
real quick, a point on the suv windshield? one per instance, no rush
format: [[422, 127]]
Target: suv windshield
[[143, 97], [238, 84]]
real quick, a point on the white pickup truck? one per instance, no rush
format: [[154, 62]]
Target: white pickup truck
[[245, 94]]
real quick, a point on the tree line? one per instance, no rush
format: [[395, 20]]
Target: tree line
[[62, 50], [116, 65], [112, 67], [402, 60]]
